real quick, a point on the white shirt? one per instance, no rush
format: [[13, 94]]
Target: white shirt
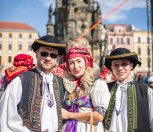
[[10, 120], [119, 122]]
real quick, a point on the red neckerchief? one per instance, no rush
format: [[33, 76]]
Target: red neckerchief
[[78, 82]]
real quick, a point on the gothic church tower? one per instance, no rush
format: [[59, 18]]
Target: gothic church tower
[[73, 18]]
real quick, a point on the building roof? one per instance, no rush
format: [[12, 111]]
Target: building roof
[[126, 25], [15, 26], [111, 27]]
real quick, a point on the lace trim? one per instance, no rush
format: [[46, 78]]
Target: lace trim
[[86, 81], [101, 110]]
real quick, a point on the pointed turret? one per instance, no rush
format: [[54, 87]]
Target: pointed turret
[[50, 26]]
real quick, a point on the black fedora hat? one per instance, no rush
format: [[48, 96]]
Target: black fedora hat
[[121, 53], [49, 41]]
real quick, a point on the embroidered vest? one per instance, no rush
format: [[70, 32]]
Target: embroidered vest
[[30, 104], [138, 110]]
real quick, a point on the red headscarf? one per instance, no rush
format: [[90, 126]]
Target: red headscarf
[[104, 72], [75, 51], [78, 51], [22, 63], [24, 60]]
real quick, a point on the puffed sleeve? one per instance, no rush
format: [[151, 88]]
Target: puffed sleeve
[[10, 120], [100, 96]]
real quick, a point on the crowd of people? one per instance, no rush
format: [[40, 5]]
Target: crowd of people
[[74, 96]]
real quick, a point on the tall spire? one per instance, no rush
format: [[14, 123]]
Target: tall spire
[[50, 26], [50, 14]]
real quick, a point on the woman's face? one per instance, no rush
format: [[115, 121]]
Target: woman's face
[[77, 66]]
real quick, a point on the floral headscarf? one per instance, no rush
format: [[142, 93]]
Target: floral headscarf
[[72, 52], [78, 51]]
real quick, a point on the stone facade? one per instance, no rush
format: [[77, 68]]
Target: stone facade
[[119, 35], [15, 38], [144, 50]]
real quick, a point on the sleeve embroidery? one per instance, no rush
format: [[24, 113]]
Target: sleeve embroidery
[[101, 110]]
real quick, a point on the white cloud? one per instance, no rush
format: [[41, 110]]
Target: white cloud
[[108, 5], [116, 17]]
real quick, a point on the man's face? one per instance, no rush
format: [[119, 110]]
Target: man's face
[[47, 58], [122, 70]]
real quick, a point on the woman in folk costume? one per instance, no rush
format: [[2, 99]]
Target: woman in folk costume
[[128, 109], [22, 63], [87, 94]]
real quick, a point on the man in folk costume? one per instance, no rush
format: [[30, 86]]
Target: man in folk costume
[[128, 109], [32, 101]]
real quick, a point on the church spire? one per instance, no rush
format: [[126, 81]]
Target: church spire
[[50, 26]]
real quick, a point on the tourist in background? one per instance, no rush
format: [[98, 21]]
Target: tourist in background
[[21, 63]]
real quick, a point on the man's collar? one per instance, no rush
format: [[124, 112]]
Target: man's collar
[[125, 83], [42, 73]]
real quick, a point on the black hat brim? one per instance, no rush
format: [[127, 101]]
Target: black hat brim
[[133, 58], [49, 41], [60, 47]]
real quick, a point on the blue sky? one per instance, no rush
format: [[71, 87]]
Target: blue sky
[[35, 12]]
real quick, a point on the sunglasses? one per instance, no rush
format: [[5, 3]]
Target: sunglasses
[[123, 64], [45, 54]]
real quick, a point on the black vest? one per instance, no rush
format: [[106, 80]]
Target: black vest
[[30, 104], [143, 122]]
